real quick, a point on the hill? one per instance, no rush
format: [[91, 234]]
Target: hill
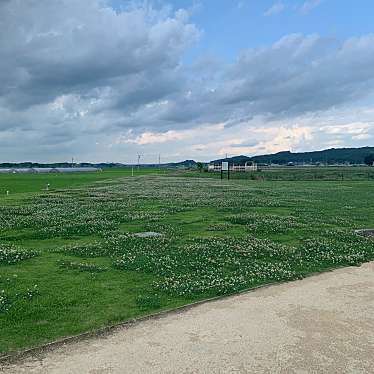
[[26, 165], [327, 156]]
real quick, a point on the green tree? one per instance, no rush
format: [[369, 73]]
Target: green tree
[[200, 166], [369, 159]]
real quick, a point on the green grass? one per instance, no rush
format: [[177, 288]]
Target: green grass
[[87, 271], [293, 173], [34, 182]]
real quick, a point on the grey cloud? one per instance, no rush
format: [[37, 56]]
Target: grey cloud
[[51, 47], [296, 75], [75, 71], [301, 74]]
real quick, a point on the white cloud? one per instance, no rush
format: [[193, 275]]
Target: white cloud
[[276, 8], [149, 137], [153, 138], [309, 5]]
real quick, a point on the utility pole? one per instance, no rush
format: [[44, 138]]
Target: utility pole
[[72, 162], [228, 168], [159, 161], [139, 161]]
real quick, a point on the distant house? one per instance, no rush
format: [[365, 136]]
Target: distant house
[[214, 167], [239, 166]]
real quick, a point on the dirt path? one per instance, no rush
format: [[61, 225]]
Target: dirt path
[[322, 324]]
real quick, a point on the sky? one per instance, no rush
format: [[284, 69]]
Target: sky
[[106, 80]]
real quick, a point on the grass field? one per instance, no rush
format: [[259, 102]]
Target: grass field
[[69, 261], [34, 182], [293, 173]]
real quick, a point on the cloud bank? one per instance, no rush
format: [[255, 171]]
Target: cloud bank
[[80, 78]]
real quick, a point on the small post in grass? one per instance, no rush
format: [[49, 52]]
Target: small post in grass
[[7, 193], [225, 167], [132, 171]]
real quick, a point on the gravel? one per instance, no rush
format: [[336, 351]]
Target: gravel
[[321, 324]]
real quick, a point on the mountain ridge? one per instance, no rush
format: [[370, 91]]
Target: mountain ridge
[[326, 156], [346, 155]]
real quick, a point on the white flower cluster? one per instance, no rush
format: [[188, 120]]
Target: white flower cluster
[[81, 266], [11, 254], [265, 223], [4, 302]]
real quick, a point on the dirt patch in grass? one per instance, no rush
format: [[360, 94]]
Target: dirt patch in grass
[[368, 233]]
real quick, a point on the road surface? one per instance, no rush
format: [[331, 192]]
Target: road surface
[[322, 324]]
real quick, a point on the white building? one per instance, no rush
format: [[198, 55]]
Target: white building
[[239, 166]]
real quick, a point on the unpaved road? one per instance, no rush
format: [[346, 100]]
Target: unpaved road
[[322, 324]]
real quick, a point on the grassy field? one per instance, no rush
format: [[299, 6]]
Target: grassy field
[[70, 262], [34, 182], [293, 173]]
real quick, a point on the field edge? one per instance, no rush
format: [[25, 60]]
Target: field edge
[[16, 356]]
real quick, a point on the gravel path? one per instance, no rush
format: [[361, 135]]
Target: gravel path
[[322, 324]]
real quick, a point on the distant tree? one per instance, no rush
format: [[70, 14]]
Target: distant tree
[[369, 159], [200, 166]]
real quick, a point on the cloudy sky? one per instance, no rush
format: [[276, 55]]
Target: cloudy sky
[[104, 80]]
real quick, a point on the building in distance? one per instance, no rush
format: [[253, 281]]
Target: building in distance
[[245, 166]]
